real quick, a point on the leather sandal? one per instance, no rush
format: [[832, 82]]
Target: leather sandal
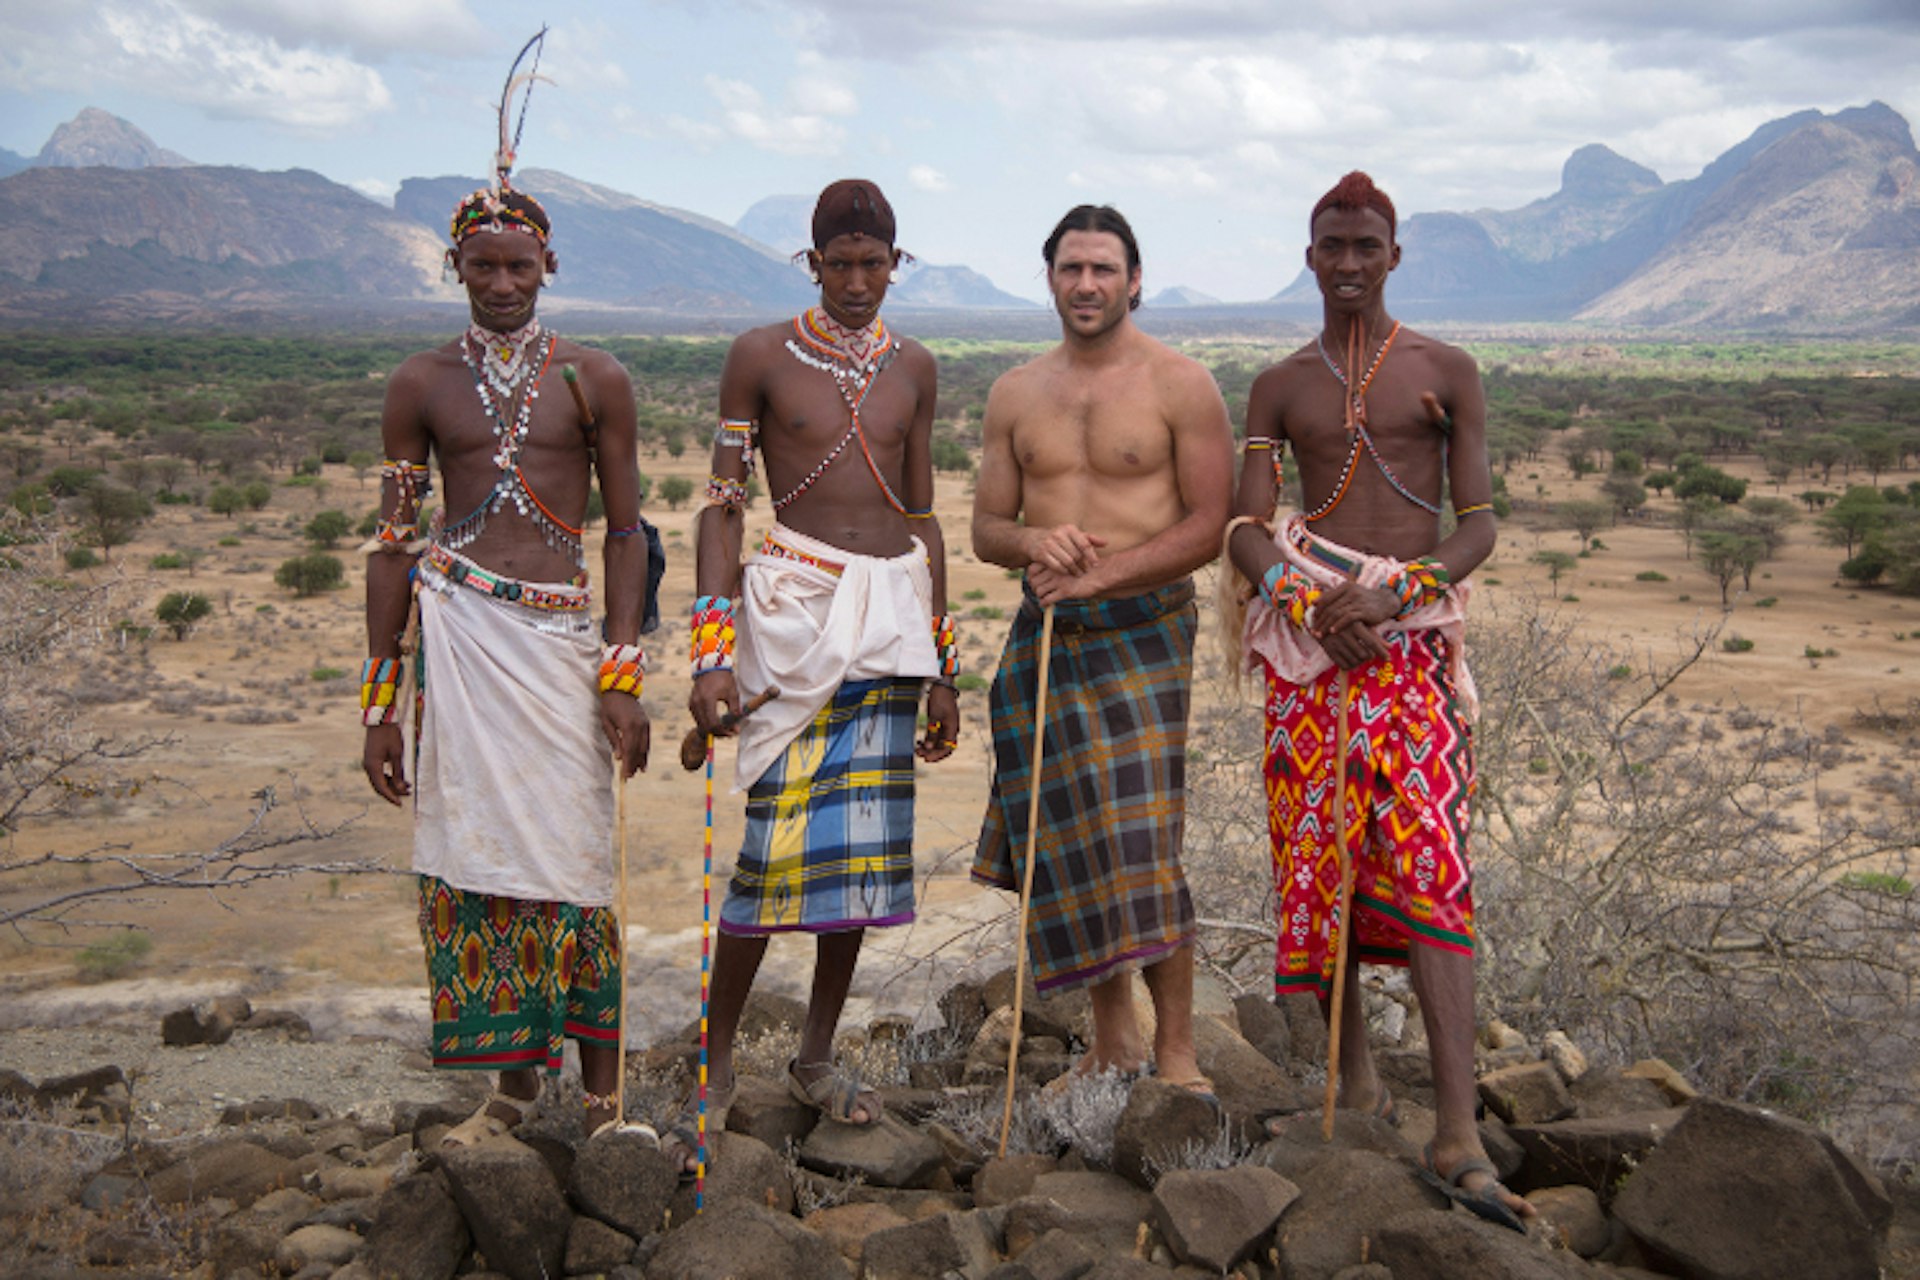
[[834, 1094], [483, 1125]]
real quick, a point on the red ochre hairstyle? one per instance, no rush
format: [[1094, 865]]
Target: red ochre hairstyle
[[1355, 191]]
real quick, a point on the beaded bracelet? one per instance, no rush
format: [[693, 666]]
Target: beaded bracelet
[[1279, 466], [1421, 582], [946, 646], [737, 433], [723, 492], [712, 635], [623, 669], [380, 691], [1289, 591], [1476, 508]]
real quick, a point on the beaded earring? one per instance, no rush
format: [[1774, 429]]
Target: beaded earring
[[893, 276], [449, 274]]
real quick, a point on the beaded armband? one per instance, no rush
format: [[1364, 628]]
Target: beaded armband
[[1289, 591], [712, 635], [1279, 467], [380, 691], [736, 433], [722, 492], [1475, 509], [1421, 582], [623, 669], [946, 647], [412, 483]]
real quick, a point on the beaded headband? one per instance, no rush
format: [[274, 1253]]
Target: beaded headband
[[498, 207]]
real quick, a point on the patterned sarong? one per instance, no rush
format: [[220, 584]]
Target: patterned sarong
[[1408, 782], [1108, 892], [829, 839], [512, 980]]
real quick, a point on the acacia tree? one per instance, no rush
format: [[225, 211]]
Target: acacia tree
[[108, 515]]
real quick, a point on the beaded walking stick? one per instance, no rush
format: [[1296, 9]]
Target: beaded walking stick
[[620, 922], [1346, 905], [706, 918], [1026, 883]]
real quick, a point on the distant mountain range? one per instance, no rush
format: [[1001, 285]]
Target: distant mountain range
[[1811, 224]]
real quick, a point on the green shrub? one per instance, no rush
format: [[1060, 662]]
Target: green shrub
[[168, 560], [327, 528], [311, 574], [229, 541], [1649, 575], [180, 610], [1766, 602], [1736, 644], [1620, 672], [81, 558], [969, 682], [975, 594], [114, 955], [320, 674]]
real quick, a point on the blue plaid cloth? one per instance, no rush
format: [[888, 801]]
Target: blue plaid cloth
[[829, 839], [1109, 895]]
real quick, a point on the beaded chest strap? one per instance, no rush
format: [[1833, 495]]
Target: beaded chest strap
[[854, 358]]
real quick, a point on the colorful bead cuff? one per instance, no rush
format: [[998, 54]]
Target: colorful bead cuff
[[1289, 591], [712, 635], [380, 691], [722, 492], [946, 646], [623, 669]]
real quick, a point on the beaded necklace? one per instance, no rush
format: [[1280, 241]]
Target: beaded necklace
[[507, 370], [854, 358], [1355, 385]]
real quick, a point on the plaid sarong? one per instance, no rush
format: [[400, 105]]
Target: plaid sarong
[[1409, 780], [511, 980], [829, 839], [1108, 892]]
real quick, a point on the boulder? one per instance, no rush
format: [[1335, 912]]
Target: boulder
[[847, 1226], [963, 1008], [1447, 1246], [281, 1023], [1574, 1217], [207, 1022], [1102, 1208], [1297, 1148], [738, 1168], [624, 1181], [271, 1109], [1066, 1017], [345, 1182], [417, 1231], [1214, 1218], [316, 1244], [1058, 1255], [1531, 1093], [1565, 1055], [1264, 1026], [1607, 1091], [120, 1244], [228, 1169], [933, 1246], [245, 1241], [766, 1110], [765, 1014], [1306, 1028], [886, 1153], [1245, 1080], [1736, 1190], [594, 1248], [82, 1088], [1595, 1154], [744, 1241], [1004, 1179], [512, 1205], [1669, 1081], [1160, 1123], [1349, 1195]]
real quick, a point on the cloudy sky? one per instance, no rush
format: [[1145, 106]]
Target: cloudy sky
[[1213, 124]]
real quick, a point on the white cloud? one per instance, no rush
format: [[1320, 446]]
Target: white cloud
[[375, 29], [745, 115], [927, 178], [377, 189]]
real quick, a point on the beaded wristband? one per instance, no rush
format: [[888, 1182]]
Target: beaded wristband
[[736, 433], [1421, 582], [1279, 467], [623, 669], [1289, 591], [712, 635], [380, 691], [722, 492], [1477, 507], [946, 646]]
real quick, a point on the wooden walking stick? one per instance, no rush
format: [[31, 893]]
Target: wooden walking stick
[[1345, 905], [706, 933], [1026, 882], [620, 1081], [697, 746]]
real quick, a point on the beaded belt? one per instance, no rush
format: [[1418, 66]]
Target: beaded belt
[[771, 546], [458, 569]]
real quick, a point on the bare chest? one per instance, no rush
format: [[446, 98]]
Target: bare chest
[[1115, 430], [809, 410]]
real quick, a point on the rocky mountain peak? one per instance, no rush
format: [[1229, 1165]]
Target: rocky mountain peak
[[1597, 172], [99, 139]]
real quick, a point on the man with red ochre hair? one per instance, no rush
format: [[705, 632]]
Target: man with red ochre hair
[[841, 607], [1358, 608]]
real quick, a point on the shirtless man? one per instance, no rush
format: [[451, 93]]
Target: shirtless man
[[1359, 613], [513, 787], [1104, 476], [837, 609]]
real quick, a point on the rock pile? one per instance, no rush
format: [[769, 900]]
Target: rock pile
[[1633, 1176]]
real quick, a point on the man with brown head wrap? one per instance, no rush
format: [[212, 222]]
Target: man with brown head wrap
[[841, 606], [1356, 624]]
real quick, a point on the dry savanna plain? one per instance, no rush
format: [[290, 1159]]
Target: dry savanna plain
[[259, 698]]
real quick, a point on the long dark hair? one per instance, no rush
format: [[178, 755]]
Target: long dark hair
[[1097, 217]]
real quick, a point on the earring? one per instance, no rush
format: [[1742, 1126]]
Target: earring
[[893, 276], [448, 275], [546, 278], [814, 276]]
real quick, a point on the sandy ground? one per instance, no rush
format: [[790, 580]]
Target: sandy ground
[[344, 951]]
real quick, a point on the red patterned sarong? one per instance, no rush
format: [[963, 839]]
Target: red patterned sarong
[[1409, 779]]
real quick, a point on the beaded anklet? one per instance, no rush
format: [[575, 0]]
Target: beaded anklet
[[623, 669], [380, 692], [712, 635]]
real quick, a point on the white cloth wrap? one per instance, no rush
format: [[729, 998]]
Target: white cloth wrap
[[513, 793], [1298, 658], [809, 632]]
